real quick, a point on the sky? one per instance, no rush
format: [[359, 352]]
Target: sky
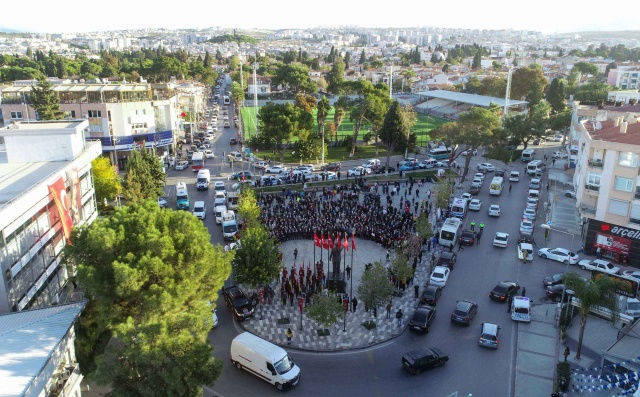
[[547, 16]]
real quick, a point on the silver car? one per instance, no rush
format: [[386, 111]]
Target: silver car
[[526, 227], [529, 213]]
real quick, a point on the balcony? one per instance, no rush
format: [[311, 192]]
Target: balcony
[[65, 381], [588, 209], [596, 163], [595, 188]]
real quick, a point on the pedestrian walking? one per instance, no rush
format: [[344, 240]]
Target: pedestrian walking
[[510, 187], [399, 317], [524, 291], [416, 289], [295, 254], [460, 247], [566, 353], [478, 236], [289, 335], [509, 302], [388, 254], [348, 270], [473, 225], [389, 310], [553, 162], [354, 304]]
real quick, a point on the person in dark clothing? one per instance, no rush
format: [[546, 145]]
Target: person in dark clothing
[[509, 302], [354, 304], [295, 254], [416, 289], [524, 291], [348, 270]]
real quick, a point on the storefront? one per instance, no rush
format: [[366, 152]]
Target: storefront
[[618, 244]]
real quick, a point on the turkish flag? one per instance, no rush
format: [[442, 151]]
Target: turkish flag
[[325, 244], [353, 243], [345, 243], [330, 242], [338, 241], [316, 240]]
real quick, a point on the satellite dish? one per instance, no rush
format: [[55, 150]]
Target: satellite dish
[[598, 125]]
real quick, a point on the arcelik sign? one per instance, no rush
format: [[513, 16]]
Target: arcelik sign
[[621, 231]]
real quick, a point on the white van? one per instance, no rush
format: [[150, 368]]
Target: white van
[[373, 163], [528, 155], [514, 176], [535, 167], [218, 211], [235, 156], [265, 360], [203, 179], [521, 309]]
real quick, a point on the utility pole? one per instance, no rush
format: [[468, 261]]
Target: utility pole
[[255, 93]]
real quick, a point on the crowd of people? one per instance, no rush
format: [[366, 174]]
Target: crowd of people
[[340, 211]]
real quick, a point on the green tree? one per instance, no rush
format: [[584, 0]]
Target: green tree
[[305, 102], [335, 78], [324, 107], [207, 59], [400, 268], [144, 178], [374, 289], [556, 95], [45, 101], [296, 77], [529, 84], [237, 93], [341, 107], [443, 191], [600, 291], [248, 208], [586, 68], [593, 91], [395, 129], [477, 128], [150, 275], [363, 58], [424, 227], [278, 122], [257, 261], [477, 61], [493, 86], [106, 180], [326, 310], [233, 63]]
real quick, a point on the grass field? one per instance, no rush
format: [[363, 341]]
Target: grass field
[[423, 126]]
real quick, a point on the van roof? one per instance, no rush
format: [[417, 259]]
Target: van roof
[[203, 171], [181, 185], [261, 346], [521, 301], [515, 172]]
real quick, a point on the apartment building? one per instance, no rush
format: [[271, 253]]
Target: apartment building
[[46, 188], [121, 116], [625, 77], [607, 185]]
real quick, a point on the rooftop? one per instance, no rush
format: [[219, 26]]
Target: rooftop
[[472, 99], [28, 340], [606, 130]]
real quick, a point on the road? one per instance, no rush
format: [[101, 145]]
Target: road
[[377, 371]]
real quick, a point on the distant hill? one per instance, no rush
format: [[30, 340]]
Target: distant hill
[[7, 30], [611, 34], [238, 38]]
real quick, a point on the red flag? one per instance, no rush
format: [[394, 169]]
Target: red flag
[[330, 243], [338, 241], [316, 240], [325, 243], [345, 243], [353, 243]]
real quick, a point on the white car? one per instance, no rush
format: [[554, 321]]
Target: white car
[[532, 203], [208, 154], [328, 175], [479, 175], [558, 254], [529, 248], [477, 181], [442, 164], [633, 274], [200, 210], [529, 213], [494, 210], [182, 165], [599, 264], [514, 176], [559, 155], [475, 204], [358, 171], [162, 202], [467, 152], [439, 276], [466, 196], [488, 167], [526, 227], [275, 169], [501, 239]]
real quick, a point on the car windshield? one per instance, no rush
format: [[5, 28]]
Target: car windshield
[[501, 238], [500, 288], [182, 197], [437, 275], [557, 277], [229, 228], [420, 316], [633, 305], [460, 312], [283, 366], [488, 337], [446, 235], [522, 310], [198, 209]]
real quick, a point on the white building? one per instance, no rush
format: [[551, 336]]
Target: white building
[[46, 188]]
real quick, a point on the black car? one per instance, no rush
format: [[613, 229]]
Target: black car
[[233, 141], [553, 280], [555, 292], [430, 295], [419, 360], [447, 259], [474, 190], [504, 290], [499, 172], [465, 310], [468, 237], [383, 169], [238, 303], [331, 167], [422, 318], [238, 175]]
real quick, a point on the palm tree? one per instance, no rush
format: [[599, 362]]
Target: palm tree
[[323, 111], [341, 106], [600, 291]]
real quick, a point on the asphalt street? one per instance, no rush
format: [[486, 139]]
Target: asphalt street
[[377, 371]]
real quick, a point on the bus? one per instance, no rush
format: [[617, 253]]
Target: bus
[[441, 153], [449, 232], [197, 161], [459, 208], [528, 155], [227, 100], [497, 184]]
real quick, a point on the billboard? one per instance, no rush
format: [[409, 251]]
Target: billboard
[[68, 203]]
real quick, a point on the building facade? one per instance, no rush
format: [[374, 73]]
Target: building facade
[[46, 188]]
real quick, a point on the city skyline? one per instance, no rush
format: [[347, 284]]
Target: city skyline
[[546, 16]]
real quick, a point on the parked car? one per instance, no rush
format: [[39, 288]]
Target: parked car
[[474, 189], [534, 184], [208, 154], [554, 292], [600, 265], [162, 202], [499, 172], [383, 169], [420, 360], [238, 175], [331, 167], [558, 254], [553, 280], [559, 155], [358, 171], [466, 196], [475, 204], [468, 237], [501, 239], [238, 302], [571, 193], [526, 227], [469, 152], [328, 175], [489, 335], [504, 290], [464, 312], [447, 259], [439, 276], [487, 167], [633, 274], [408, 166], [232, 141], [275, 169], [494, 210], [479, 175], [529, 213], [422, 318], [430, 295], [182, 165]]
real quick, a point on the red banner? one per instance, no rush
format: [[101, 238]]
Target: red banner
[[316, 240], [613, 243], [353, 243], [59, 192], [345, 243]]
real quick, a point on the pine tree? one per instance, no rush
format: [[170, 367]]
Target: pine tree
[[207, 60], [45, 101], [417, 58], [363, 58]]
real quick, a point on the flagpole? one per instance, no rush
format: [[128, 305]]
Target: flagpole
[[328, 268], [314, 248], [351, 289]]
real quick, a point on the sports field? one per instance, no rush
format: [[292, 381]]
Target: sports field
[[423, 126]]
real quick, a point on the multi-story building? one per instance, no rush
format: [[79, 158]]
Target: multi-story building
[[38, 353], [46, 188], [607, 185], [120, 115], [625, 77]]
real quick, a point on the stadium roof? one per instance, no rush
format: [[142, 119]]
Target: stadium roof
[[472, 99]]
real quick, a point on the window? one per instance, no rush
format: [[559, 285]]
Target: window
[[593, 179], [624, 184], [94, 113], [635, 214], [619, 207], [16, 115], [628, 159]]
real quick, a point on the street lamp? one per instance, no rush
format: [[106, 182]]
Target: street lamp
[[547, 227]]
